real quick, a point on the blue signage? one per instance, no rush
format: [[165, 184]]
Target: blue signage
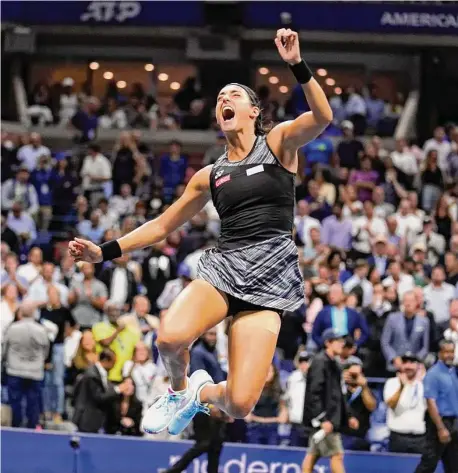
[[38, 452], [380, 17]]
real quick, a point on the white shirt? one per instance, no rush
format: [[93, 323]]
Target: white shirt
[[408, 226], [437, 300], [377, 226], [142, 375], [116, 120], [109, 220], [7, 317], [366, 286], [103, 374], [406, 283], [71, 345], [303, 226], [408, 417], [123, 205], [68, 107], [118, 289], [405, 161], [98, 167], [28, 271], [295, 395], [443, 150], [29, 155], [355, 105], [449, 334]]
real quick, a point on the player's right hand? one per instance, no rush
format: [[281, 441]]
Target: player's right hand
[[85, 250]]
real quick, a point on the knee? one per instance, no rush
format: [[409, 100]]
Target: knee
[[239, 405], [170, 342]]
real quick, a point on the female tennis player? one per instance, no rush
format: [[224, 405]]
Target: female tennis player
[[253, 273]]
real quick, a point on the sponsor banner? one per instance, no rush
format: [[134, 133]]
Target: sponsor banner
[[157, 13], [38, 452], [380, 17]]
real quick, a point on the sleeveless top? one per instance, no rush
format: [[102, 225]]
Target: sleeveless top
[[254, 197]]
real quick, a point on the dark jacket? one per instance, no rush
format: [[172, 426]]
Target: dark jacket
[[107, 275], [93, 403], [323, 393]]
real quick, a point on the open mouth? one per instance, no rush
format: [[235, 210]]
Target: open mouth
[[228, 113]]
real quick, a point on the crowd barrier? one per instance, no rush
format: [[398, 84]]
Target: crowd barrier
[[42, 452]]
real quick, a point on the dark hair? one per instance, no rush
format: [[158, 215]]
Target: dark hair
[[444, 342], [107, 355], [94, 147], [260, 127], [273, 387]]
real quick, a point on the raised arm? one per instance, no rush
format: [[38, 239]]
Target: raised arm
[[287, 137], [191, 202]]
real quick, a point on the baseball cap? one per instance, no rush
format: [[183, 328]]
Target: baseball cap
[[347, 124], [304, 356], [409, 356], [331, 334]]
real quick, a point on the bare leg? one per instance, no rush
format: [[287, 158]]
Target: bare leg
[[252, 341], [309, 463], [198, 308], [337, 465]]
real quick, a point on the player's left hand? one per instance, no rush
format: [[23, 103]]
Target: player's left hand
[[287, 42]]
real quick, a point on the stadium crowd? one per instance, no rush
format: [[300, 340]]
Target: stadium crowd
[[377, 235]]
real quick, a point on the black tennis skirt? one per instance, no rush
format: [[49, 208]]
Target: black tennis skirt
[[265, 274]]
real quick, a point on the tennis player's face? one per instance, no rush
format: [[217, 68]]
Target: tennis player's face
[[234, 111]]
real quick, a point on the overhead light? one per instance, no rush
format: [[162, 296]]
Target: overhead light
[[175, 85], [121, 84], [149, 67], [108, 75], [337, 90], [274, 80], [163, 76], [263, 71], [283, 89], [330, 81], [322, 72], [94, 66]]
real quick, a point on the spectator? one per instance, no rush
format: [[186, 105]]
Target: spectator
[[22, 224], [441, 145], [31, 270], [268, 412], [405, 332], [356, 110], [172, 169], [41, 178], [9, 238], [441, 393], [120, 281], [379, 258], [375, 107], [124, 203], [434, 335], [107, 217], [8, 305], [39, 111], [360, 404], [64, 186], [404, 396], [451, 333], [402, 282], [215, 151], [173, 288], [25, 348], [136, 114], [19, 189], [339, 317], [113, 335], [114, 117], [295, 397], [95, 173], [198, 117], [85, 356], [364, 180], [438, 295], [128, 413], [442, 218], [68, 101], [54, 399], [87, 297], [303, 222], [85, 120], [95, 395], [409, 225], [359, 284], [451, 268], [187, 94], [38, 291], [337, 230], [403, 159], [432, 181], [139, 319], [350, 150], [9, 275], [30, 154], [92, 229], [124, 161], [392, 234], [317, 152], [319, 208]]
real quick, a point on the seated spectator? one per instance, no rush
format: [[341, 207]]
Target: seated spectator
[[317, 151], [92, 229], [95, 395], [379, 258], [375, 107], [68, 102], [432, 181], [86, 355], [87, 297], [336, 315], [95, 173], [25, 349], [139, 319], [451, 268], [114, 117], [405, 331], [364, 180], [318, 206], [359, 283], [128, 413], [41, 178], [337, 230], [268, 412], [136, 113], [360, 404], [39, 110], [9, 275], [8, 238], [8, 305], [85, 120], [402, 282], [120, 281], [349, 150], [124, 203], [303, 222], [30, 154], [392, 234], [327, 190], [440, 145], [172, 169], [409, 225], [198, 117], [443, 218], [438, 296], [404, 396], [142, 370], [22, 224], [38, 291], [295, 397], [31, 271], [19, 189], [215, 151], [113, 335]]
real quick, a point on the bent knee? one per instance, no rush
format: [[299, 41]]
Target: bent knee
[[239, 406], [171, 342]]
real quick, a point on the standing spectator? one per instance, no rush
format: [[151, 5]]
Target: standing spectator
[[114, 117], [379, 258], [8, 306], [38, 291], [87, 297], [403, 159], [41, 178], [95, 395], [336, 229], [441, 145], [9, 275], [173, 288], [124, 203], [405, 332], [124, 162], [25, 349], [404, 396], [409, 224], [172, 169], [113, 335], [108, 218], [198, 117], [54, 402], [317, 152], [350, 150], [30, 154], [358, 283], [120, 281], [92, 229], [32, 270], [86, 355], [442, 217], [324, 406], [342, 319], [303, 222], [441, 393], [319, 208], [85, 120], [68, 102], [451, 333], [140, 320], [432, 182], [364, 180], [360, 405], [95, 173], [22, 224], [402, 282], [19, 189], [295, 398], [375, 107], [64, 186], [9, 238], [356, 110], [433, 242], [438, 295]]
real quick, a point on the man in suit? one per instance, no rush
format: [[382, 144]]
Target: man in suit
[[95, 396], [379, 257], [405, 332]]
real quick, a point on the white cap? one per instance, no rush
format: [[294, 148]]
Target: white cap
[[347, 124], [68, 82]]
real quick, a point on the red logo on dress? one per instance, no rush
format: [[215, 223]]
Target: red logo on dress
[[222, 180]]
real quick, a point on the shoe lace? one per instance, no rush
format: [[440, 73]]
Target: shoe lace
[[166, 400], [196, 407]]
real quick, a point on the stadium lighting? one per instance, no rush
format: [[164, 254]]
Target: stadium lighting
[[149, 67], [322, 72], [330, 81], [274, 80], [108, 75], [263, 71], [121, 84], [163, 77], [175, 85], [283, 89], [337, 90], [94, 66]]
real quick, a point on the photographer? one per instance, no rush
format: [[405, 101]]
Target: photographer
[[360, 404]]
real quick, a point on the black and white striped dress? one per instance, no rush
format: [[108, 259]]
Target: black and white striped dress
[[256, 259]]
